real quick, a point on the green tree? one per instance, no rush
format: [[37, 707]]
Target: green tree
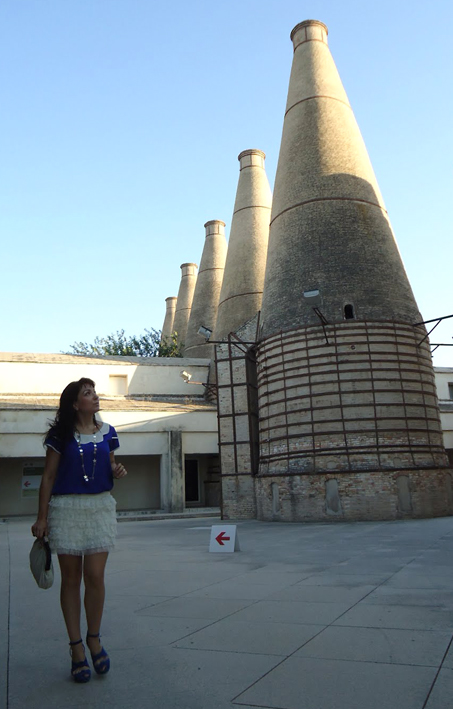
[[118, 343]]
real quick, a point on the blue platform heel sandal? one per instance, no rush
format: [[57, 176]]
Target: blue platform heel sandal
[[80, 671], [101, 661]]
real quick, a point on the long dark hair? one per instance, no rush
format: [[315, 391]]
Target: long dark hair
[[63, 426]]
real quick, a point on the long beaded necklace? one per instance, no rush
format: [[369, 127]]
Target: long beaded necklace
[[79, 445]]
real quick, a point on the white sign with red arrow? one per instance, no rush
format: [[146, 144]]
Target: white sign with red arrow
[[224, 538], [30, 485]]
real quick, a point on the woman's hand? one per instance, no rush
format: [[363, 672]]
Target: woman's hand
[[39, 529], [119, 471]]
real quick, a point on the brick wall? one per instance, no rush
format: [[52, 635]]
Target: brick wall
[[360, 496], [351, 396], [349, 427]]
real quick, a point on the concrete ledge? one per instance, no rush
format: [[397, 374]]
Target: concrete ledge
[[137, 515], [160, 514]]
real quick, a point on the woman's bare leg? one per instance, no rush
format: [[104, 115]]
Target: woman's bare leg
[[71, 577], [93, 576]]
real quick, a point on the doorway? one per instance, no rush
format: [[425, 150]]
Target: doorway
[[192, 481]]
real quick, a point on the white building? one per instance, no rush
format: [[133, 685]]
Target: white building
[[444, 384], [167, 430]]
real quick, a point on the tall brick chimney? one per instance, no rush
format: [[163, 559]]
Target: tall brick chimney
[[242, 287], [167, 327], [184, 301], [207, 291], [348, 412]]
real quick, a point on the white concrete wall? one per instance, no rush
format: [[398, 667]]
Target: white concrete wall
[[140, 433], [143, 432], [444, 377], [446, 420], [12, 501], [157, 375], [139, 491]]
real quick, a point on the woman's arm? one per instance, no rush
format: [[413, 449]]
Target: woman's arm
[[39, 529], [118, 470]]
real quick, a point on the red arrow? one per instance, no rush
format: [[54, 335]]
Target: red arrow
[[222, 539], [26, 484]]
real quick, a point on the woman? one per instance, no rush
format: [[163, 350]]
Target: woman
[[77, 513]]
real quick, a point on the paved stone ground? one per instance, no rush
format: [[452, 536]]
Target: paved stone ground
[[315, 616]]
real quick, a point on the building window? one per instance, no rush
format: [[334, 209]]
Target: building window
[[349, 312], [118, 384], [450, 390]]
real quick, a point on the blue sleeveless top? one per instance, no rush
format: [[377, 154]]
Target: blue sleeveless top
[[70, 476]]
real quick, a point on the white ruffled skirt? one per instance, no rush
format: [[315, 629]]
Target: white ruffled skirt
[[82, 524]]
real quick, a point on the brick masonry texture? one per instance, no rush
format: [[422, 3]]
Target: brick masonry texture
[[352, 396], [374, 374], [330, 230], [363, 496]]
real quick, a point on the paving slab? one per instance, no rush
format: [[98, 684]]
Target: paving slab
[[391, 595], [382, 568], [206, 608], [303, 569], [231, 589], [448, 660], [242, 637], [305, 683], [310, 616], [388, 645], [323, 594], [264, 576], [115, 604], [333, 578], [156, 677], [442, 692], [146, 631], [413, 618], [165, 583], [292, 612], [421, 580], [421, 567]]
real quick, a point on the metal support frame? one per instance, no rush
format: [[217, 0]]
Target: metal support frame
[[437, 321], [300, 372], [439, 344], [324, 322], [247, 355]]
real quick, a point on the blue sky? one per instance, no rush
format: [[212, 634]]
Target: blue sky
[[121, 124]]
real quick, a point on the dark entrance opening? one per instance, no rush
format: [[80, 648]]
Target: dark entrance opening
[[191, 481]]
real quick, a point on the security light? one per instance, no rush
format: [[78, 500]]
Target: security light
[[186, 376], [205, 332]]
